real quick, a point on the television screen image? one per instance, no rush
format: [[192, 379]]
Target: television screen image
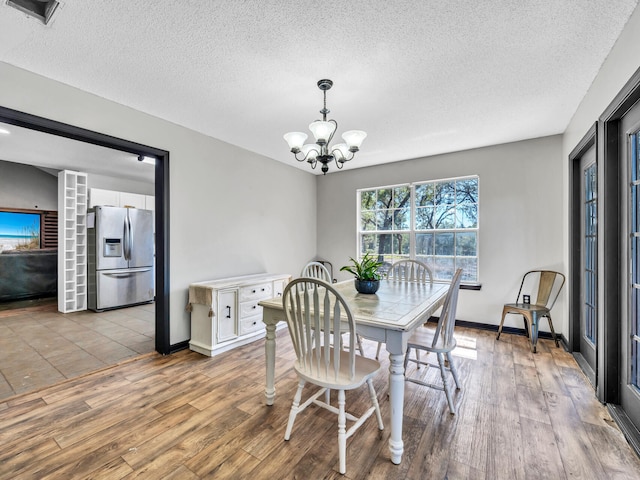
[[19, 231]]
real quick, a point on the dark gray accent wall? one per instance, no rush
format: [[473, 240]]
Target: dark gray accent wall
[[24, 186]]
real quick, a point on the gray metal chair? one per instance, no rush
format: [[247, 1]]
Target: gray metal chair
[[543, 285]]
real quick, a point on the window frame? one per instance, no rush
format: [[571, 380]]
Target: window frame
[[412, 231]]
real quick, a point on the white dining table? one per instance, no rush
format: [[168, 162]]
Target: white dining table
[[390, 316]]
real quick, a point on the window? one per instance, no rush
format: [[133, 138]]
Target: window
[[434, 222]]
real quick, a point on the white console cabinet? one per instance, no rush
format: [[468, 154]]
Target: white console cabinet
[[225, 313]]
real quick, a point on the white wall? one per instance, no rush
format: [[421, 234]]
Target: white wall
[[620, 65], [520, 214], [120, 184], [232, 212], [24, 186]]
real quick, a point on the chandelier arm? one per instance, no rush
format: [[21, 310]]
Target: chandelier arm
[[295, 154], [332, 133], [339, 165]]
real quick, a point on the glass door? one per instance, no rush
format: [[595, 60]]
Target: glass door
[[630, 325], [589, 265]]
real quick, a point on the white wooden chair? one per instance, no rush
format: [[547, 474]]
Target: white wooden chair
[[407, 271], [313, 308], [318, 270], [439, 341]]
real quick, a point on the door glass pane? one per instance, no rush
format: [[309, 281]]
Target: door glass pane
[[590, 253], [634, 361]]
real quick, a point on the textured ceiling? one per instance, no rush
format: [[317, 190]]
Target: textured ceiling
[[420, 77]]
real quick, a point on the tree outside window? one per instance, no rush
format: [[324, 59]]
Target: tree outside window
[[434, 222]]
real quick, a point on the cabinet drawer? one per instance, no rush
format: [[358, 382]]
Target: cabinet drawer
[[248, 325], [249, 309], [259, 291]]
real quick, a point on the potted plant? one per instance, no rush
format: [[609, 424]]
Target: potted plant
[[366, 272]]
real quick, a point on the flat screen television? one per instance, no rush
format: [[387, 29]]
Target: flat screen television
[[19, 231]]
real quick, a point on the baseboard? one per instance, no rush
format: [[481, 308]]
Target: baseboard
[[176, 347], [629, 430], [510, 330]]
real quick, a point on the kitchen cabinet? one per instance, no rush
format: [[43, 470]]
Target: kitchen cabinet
[[72, 241], [114, 198], [134, 200], [225, 313]]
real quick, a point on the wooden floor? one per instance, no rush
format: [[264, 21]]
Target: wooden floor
[[186, 416]]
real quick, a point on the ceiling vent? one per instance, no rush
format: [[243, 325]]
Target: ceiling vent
[[43, 10]]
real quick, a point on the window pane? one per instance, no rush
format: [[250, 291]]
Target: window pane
[[467, 215], [443, 268], [469, 268], [384, 219], [384, 198], [467, 191], [402, 196], [466, 244], [367, 200], [444, 243], [424, 218], [368, 221], [444, 216], [401, 219], [401, 243], [424, 243], [445, 193], [368, 243], [425, 194]]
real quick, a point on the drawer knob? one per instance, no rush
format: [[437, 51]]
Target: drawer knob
[[253, 307], [253, 291]]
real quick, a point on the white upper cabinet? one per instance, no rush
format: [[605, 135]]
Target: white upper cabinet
[[134, 200], [113, 198], [98, 196]]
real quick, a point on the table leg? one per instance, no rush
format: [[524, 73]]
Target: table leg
[[396, 400], [270, 357]]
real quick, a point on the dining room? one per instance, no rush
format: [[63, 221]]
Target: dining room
[[238, 204]]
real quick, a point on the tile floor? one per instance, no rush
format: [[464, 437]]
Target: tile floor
[[40, 346]]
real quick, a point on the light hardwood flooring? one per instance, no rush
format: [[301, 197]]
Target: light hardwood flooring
[[40, 346], [187, 416]]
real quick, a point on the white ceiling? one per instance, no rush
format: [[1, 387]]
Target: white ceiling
[[421, 77], [30, 147]]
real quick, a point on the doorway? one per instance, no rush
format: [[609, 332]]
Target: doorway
[[161, 190], [618, 360], [583, 296]]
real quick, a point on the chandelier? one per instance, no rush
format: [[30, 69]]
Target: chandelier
[[322, 151]]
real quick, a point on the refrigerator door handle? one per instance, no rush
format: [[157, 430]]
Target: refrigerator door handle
[[125, 274], [130, 235], [127, 237]]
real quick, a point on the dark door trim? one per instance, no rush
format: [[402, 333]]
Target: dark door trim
[[33, 122], [575, 246], [609, 230], [609, 127]]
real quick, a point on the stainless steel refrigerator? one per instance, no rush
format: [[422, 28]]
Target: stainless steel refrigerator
[[120, 257]]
